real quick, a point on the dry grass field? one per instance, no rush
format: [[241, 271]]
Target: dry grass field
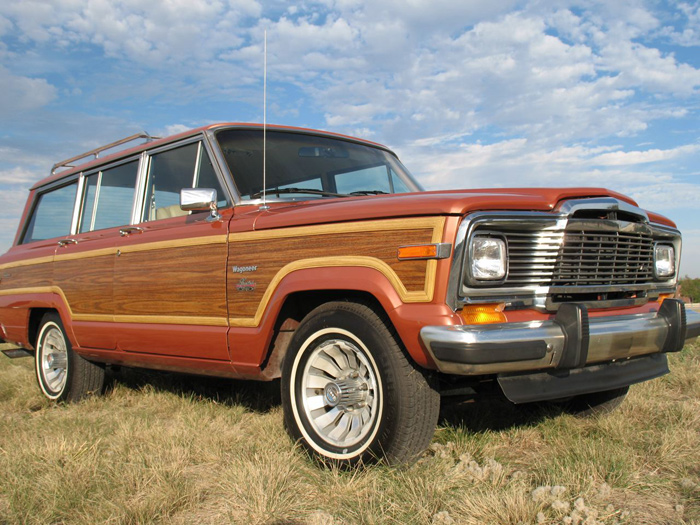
[[166, 448]]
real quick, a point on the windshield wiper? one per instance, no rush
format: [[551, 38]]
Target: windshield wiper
[[368, 192], [311, 191]]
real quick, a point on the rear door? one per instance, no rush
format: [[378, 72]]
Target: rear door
[[84, 263]]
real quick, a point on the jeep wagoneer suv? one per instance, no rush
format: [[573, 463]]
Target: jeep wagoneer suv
[[367, 295]]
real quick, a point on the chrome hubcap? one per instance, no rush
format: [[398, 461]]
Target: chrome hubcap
[[339, 392], [54, 359]]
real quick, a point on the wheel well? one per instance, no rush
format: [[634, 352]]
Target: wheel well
[[296, 306], [35, 317]]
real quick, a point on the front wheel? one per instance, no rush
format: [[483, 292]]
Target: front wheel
[[61, 373], [350, 394]]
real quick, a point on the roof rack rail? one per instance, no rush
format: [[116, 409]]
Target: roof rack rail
[[96, 152]]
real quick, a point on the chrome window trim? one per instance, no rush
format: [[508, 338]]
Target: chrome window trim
[[538, 296], [220, 174], [141, 178], [77, 205], [221, 166]]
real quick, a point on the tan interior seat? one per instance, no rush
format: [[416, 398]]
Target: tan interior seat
[[170, 211]]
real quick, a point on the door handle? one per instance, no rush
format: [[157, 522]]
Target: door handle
[[65, 242], [129, 230]]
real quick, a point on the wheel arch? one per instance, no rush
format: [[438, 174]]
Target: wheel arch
[[302, 291], [40, 305]]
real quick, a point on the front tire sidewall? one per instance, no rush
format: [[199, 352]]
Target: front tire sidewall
[[61, 394]]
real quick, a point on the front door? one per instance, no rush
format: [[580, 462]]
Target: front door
[[170, 269]]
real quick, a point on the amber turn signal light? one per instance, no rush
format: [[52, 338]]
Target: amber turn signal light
[[425, 251], [483, 314]]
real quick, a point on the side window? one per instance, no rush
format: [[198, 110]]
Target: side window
[[172, 170], [109, 197], [52, 215]]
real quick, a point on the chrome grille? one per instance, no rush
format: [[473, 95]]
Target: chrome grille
[[579, 258], [604, 258]]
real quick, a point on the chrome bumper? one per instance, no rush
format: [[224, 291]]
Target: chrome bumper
[[571, 340]]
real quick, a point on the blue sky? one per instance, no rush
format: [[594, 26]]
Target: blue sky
[[469, 93]]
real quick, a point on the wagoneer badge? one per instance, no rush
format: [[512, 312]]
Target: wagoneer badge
[[243, 269]]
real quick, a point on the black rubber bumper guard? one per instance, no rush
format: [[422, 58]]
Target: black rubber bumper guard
[[572, 377]]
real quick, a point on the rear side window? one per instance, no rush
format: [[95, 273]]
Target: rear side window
[[109, 197], [52, 215]]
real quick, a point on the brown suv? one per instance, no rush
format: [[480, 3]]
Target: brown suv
[[367, 295]]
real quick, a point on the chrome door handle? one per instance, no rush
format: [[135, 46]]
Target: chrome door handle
[[129, 230], [65, 242]]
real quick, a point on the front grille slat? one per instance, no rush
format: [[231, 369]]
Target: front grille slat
[[579, 258]]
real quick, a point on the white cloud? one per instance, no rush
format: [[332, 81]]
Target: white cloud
[[519, 162], [21, 94], [688, 34], [156, 33]]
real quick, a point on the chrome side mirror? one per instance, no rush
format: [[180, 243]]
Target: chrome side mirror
[[200, 199]]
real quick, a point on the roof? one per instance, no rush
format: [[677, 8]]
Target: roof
[[154, 142]]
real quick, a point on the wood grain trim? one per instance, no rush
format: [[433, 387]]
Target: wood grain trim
[[88, 254], [27, 262], [137, 319], [436, 223], [425, 295], [156, 245], [180, 243]]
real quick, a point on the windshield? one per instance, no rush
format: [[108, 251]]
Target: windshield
[[311, 166]]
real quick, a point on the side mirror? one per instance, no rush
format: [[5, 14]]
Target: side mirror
[[200, 199]]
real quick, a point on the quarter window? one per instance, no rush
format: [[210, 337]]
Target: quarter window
[[109, 197], [52, 215]]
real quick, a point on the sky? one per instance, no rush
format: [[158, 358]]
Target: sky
[[470, 94]]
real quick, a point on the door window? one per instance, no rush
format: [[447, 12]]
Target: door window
[[170, 171], [109, 197]]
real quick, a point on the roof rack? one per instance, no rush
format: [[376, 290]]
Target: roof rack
[[96, 152]]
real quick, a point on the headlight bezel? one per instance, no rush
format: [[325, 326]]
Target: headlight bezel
[[502, 243], [669, 249]]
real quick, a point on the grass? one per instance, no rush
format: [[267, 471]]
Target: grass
[[167, 448]]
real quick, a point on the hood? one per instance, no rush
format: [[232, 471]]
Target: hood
[[431, 203]]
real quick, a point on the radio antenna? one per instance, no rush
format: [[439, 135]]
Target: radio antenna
[[264, 190]]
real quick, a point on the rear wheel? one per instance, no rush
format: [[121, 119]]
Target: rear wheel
[[350, 394], [61, 373]]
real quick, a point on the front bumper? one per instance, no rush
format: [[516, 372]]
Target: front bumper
[[571, 340]]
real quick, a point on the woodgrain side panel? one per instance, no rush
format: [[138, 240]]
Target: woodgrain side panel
[[186, 281], [373, 244], [87, 284], [26, 276]]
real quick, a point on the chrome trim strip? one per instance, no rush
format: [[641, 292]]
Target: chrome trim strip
[[221, 166], [77, 204]]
